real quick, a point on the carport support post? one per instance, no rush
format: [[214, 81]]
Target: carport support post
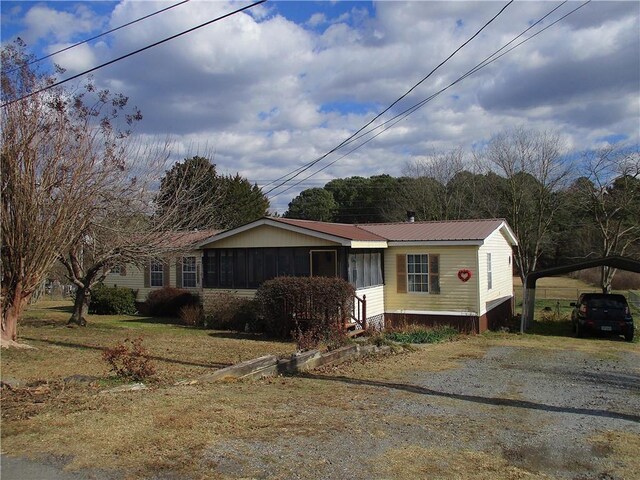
[[528, 307]]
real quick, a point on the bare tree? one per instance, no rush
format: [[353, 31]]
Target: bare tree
[[532, 164], [426, 189], [609, 192], [59, 151], [128, 229]]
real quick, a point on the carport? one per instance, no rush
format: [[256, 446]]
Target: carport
[[529, 297]]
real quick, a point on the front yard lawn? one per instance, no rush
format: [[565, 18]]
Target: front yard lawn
[[178, 352]]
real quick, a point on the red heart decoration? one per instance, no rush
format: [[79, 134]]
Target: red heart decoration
[[464, 274]]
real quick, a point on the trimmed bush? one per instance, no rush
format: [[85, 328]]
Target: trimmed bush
[[112, 301], [226, 311], [291, 306], [167, 302]]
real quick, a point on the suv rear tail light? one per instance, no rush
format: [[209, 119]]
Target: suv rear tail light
[[627, 312]]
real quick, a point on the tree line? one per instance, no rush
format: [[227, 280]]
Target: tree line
[[561, 208]]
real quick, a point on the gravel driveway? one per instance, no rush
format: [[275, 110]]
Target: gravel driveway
[[515, 412]]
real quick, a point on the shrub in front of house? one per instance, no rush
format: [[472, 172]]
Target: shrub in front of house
[[303, 307], [192, 316], [421, 334], [226, 311], [112, 301], [168, 301]]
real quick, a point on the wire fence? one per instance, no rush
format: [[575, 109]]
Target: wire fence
[[633, 298]]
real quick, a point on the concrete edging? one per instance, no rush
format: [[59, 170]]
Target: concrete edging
[[270, 365]]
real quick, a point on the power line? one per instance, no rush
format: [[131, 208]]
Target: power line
[[401, 116], [100, 35], [135, 52], [312, 163]]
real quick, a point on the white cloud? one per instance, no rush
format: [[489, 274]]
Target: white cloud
[[254, 87], [43, 22]]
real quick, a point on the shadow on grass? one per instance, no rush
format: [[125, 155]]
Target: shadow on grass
[[563, 328], [234, 335], [82, 346], [154, 320], [495, 401], [554, 328], [61, 308]]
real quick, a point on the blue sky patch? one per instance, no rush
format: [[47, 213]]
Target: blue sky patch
[[348, 107]]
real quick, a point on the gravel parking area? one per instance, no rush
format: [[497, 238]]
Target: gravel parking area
[[515, 413], [477, 408]]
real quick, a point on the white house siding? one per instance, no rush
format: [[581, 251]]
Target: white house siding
[[455, 297], [134, 278], [502, 271], [268, 236], [375, 304]]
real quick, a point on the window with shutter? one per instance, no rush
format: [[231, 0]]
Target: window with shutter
[[189, 272], [418, 273], [157, 274]]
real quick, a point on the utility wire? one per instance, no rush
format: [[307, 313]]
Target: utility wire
[[100, 35], [135, 52], [312, 163], [401, 116]]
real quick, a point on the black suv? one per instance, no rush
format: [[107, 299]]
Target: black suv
[[602, 312]]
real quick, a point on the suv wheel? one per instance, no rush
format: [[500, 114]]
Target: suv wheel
[[579, 330], [628, 337]]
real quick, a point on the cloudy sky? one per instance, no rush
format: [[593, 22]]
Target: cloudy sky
[[271, 89]]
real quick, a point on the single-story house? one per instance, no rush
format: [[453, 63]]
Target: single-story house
[[181, 269], [447, 272]]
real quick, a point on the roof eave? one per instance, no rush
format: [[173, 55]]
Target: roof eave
[[508, 233], [435, 243], [345, 242]]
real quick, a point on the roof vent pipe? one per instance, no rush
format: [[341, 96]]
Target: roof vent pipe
[[411, 216]]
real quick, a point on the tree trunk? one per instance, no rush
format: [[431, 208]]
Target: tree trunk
[[606, 278], [80, 307], [12, 308]]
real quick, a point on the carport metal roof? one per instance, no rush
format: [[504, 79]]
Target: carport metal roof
[[622, 263]]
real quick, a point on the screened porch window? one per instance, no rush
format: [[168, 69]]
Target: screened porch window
[[250, 267]]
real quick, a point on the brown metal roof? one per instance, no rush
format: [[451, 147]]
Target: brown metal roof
[[186, 239], [434, 231], [342, 230]]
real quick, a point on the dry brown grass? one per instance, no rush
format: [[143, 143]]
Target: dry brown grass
[[168, 428], [177, 351], [412, 462], [621, 449]]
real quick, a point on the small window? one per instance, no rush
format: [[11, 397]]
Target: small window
[[489, 273], [189, 272], [115, 269], [157, 274]]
